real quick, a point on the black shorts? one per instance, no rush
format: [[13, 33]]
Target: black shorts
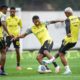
[[66, 47], [2, 44], [16, 43], [46, 46]]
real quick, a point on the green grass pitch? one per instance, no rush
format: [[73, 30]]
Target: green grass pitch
[[28, 59]]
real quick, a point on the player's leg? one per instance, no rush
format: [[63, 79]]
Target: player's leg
[[47, 47], [50, 57], [0, 62], [16, 44], [18, 58], [8, 42], [61, 53], [62, 56], [3, 57], [39, 58], [52, 60], [54, 57]]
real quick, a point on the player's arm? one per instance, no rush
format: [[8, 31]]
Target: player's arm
[[22, 36], [68, 31], [3, 23], [54, 21], [28, 31]]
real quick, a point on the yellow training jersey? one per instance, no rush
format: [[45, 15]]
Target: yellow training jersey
[[14, 24], [41, 33], [74, 29], [2, 18]]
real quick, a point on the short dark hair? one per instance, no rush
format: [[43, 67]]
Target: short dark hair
[[35, 17], [12, 8], [3, 6]]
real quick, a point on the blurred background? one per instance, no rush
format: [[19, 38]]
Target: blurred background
[[47, 10], [43, 5]]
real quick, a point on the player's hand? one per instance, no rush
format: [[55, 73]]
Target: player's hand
[[15, 38], [12, 36], [69, 35]]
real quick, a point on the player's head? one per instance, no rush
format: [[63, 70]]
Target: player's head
[[3, 8], [68, 11], [36, 20], [12, 11]]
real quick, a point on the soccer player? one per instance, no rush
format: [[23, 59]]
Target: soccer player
[[3, 10], [40, 30], [72, 31], [14, 25]]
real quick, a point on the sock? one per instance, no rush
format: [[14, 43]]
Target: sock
[[67, 68], [18, 64], [2, 68], [51, 60], [46, 67], [55, 64]]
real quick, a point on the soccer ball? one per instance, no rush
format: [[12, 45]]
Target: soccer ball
[[41, 68]]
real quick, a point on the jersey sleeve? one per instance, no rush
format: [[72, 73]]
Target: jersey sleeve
[[79, 18], [3, 17], [46, 23], [67, 22], [28, 31]]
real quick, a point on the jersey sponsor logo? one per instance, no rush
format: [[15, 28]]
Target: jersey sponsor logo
[[17, 43]]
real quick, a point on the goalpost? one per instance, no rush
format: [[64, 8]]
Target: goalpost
[[18, 13]]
